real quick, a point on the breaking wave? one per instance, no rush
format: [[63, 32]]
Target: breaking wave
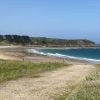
[[62, 56]]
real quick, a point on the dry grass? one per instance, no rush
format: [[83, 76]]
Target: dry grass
[[14, 69], [89, 88]]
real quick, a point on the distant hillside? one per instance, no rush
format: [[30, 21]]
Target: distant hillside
[[15, 40], [62, 42], [42, 41]]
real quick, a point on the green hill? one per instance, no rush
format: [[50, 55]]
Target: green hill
[[42, 41]]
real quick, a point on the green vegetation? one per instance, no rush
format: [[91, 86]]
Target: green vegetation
[[14, 69], [88, 90], [49, 42], [15, 39], [42, 41]]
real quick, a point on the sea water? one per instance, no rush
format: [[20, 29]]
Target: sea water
[[88, 54]]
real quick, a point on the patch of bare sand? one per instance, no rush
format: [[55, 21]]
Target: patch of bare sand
[[5, 57], [12, 46], [47, 86], [11, 53]]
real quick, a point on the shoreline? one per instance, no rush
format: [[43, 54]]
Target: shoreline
[[62, 56], [20, 53], [71, 76]]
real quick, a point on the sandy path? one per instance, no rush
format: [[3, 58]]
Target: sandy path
[[45, 87]]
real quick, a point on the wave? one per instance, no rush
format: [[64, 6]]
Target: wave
[[72, 48], [63, 56]]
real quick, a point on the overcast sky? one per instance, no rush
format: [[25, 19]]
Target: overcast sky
[[69, 19]]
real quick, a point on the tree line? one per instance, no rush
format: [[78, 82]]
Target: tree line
[[43, 41], [15, 39]]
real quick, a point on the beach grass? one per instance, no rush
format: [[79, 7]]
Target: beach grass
[[89, 89], [10, 70]]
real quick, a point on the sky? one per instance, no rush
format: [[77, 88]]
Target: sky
[[68, 19]]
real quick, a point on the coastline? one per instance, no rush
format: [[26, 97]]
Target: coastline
[[40, 51], [72, 75], [19, 53]]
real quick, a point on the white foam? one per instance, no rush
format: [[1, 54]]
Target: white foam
[[62, 56]]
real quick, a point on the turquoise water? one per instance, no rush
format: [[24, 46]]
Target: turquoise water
[[89, 54]]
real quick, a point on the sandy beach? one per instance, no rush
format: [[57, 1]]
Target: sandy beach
[[19, 53], [60, 81]]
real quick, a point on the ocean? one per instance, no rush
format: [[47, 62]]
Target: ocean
[[86, 54]]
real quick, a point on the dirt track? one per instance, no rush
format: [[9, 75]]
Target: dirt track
[[46, 86]]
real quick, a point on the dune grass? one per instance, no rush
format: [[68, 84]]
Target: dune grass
[[89, 89], [14, 69]]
